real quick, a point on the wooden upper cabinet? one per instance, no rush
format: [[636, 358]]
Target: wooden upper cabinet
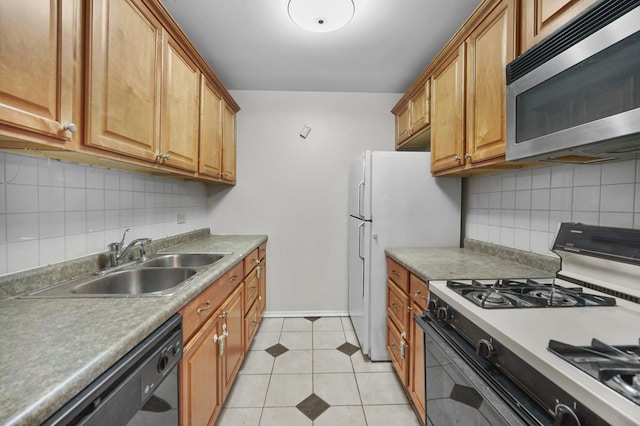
[[37, 43], [210, 163], [447, 113], [228, 144], [539, 18], [490, 47], [124, 78], [180, 108], [414, 116]]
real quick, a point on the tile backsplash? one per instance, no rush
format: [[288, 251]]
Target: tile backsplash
[[522, 209], [51, 211]]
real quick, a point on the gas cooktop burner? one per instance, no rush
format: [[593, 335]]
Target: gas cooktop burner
[[616, 366], [525, 293], [554, 297]]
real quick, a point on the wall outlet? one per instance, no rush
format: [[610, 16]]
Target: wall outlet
[[182, 218]]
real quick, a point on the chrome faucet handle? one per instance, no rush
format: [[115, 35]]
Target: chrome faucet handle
[[143, 248], [124, 236]]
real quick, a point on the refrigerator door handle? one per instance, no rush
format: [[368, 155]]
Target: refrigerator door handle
[[360, 198], [361, 187], [360, 240]]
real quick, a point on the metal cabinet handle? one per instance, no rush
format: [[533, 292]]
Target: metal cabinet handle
[[224, 315], [233, 278], [395, 307], [467, 156], [420, 296], [252, 289], [395, 274], [258, 270], [70, 127], [205, 307], [409, 309], [456, 159]]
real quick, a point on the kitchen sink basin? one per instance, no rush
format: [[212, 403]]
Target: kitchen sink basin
[[161, 275], [135, 281], [182, 260]]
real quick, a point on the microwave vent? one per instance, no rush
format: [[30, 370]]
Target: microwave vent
[[581, 27], [578, 159]]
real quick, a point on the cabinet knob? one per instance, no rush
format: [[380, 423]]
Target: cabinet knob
[[467, 156], [457, 159], [71, 127]]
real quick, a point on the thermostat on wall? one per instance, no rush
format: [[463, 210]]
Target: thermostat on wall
[[305, 132]]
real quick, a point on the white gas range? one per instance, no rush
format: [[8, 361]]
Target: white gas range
[[564, 350]]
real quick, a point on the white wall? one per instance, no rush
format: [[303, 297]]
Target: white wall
[[295, 190], [523, 209], [51, 211]]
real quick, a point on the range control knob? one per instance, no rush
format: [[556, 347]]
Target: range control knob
[[433, 305], [163, 363], [485, 348], [442, 313]]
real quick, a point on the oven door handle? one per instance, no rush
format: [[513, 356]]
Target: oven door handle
[[565, 416]]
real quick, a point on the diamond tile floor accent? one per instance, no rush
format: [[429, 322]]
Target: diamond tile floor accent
[[348, 349], [276, 350], [322, 380], [313, 406]]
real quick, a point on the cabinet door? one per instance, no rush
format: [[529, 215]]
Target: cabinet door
[[200, 396], [489, 48], [539, 18], [262, 291], [403, 124], [420, 109], [416, 364], [37, 42], [228, 144], [399, 351], [180, 108], [123, 78], [210, 130], [447, 113], [233, 317]]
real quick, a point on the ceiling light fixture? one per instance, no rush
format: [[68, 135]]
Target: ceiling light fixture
[[321, 16]]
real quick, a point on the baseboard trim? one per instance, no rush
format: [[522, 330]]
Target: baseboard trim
[[293, 314]]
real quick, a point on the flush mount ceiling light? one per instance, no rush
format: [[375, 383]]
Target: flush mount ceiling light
[[321, 16]]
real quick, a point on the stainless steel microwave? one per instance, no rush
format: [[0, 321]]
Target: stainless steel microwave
[[575, 97]]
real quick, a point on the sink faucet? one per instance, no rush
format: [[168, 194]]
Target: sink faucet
[[116, 253]]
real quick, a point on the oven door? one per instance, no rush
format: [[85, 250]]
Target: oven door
[[456, 391]]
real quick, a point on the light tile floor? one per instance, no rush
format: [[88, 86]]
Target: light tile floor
[[310, 371]]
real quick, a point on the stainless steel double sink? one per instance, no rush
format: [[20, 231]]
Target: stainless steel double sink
[[161, 275]]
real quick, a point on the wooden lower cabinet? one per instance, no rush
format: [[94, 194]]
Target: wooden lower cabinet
[[217, 328], [407, 296], [416, 365], [200, 396], [233, 351]]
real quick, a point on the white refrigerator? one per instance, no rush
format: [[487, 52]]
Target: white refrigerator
[[393, 202]]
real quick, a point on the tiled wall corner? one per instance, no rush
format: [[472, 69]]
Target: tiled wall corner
[[522, 209], [52, 211]]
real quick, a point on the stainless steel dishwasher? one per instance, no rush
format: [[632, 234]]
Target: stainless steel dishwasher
[[140, 389]]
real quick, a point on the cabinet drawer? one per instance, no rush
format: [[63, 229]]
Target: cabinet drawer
[[419, 292], [251, 261], [199, 310], [196, 312], [262, 251], [398, 274], [399, 351], [397, 306], [251, 324], [252, 286]]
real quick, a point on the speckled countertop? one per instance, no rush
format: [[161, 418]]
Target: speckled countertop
[[461, 263], [53, 348]]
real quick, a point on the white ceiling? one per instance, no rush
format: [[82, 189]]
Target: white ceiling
[[253, 45]]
